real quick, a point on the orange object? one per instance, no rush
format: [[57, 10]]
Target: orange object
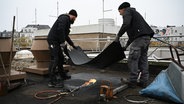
[[106, 90]]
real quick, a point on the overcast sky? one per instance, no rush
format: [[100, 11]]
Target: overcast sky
[[156, 12]]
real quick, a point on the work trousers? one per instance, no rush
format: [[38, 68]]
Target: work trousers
[[138, 60], [56, 61]]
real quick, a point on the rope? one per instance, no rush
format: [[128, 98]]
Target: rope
[[57, 94], [145, 101]]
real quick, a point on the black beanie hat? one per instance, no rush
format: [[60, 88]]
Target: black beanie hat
[[124, 5], [73, 12]]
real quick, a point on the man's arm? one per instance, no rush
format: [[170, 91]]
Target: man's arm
[[127, 17], [62, 25], [69, 41]]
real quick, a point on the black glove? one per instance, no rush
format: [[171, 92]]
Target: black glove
[[124, 48], [117, 39], [74, 47], [62, 45]]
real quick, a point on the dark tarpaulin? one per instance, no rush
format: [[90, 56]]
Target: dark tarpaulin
[[110, 55]]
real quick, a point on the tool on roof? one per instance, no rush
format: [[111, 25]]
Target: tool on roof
[[107, 92], [58, 94]]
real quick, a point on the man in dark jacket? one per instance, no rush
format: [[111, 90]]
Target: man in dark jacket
[[139, 35], [56, 40]]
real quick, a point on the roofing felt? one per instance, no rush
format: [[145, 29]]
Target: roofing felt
[[110, 55]]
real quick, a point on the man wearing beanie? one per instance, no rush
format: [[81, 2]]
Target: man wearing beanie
[[139, 35], [56, 41]]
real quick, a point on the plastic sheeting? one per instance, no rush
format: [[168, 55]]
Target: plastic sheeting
[[161, 88], [110, 55]]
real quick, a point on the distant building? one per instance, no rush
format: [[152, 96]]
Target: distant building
[[173, 34], [107, 27], [176, 31], [104, 26], [8, 34], [27, 34], [30, 29], [42, 32]]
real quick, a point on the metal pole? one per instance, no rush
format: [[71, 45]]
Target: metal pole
[[17, 18], [35, 16], [11, 50], [57, 8], [103, 20]]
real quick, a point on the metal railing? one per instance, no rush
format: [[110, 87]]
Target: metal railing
[[172, 48]]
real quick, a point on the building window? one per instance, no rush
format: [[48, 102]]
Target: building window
[[171, 31], [175, 31], [180, 34]]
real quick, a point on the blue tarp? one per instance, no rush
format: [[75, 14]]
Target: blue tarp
[[161, 88]]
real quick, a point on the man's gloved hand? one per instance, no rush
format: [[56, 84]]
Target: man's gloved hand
[[124, 48], [117, 39], [75, 47], [62, 45]]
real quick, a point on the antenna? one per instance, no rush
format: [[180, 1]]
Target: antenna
[[35, 16], [17, 17], [145, 15], [57, 11], [57, 8], [103, 18]]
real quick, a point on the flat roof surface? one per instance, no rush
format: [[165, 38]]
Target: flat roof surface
[[88, 95]]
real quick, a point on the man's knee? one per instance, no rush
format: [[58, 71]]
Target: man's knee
[[134, 54], [52, 65]]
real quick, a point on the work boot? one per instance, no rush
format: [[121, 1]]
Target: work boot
[[142, 84], [59, 85], [132, 84], [51, 84], [56, 85], [129, 83], [64, 75], [66, 71]]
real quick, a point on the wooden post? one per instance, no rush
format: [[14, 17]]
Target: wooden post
[[11, 50]]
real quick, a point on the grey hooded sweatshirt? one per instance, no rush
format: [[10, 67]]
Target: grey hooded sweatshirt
[[135, 25]]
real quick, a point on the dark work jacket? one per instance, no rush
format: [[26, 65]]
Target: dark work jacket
[[60, 30], [135, 25]]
